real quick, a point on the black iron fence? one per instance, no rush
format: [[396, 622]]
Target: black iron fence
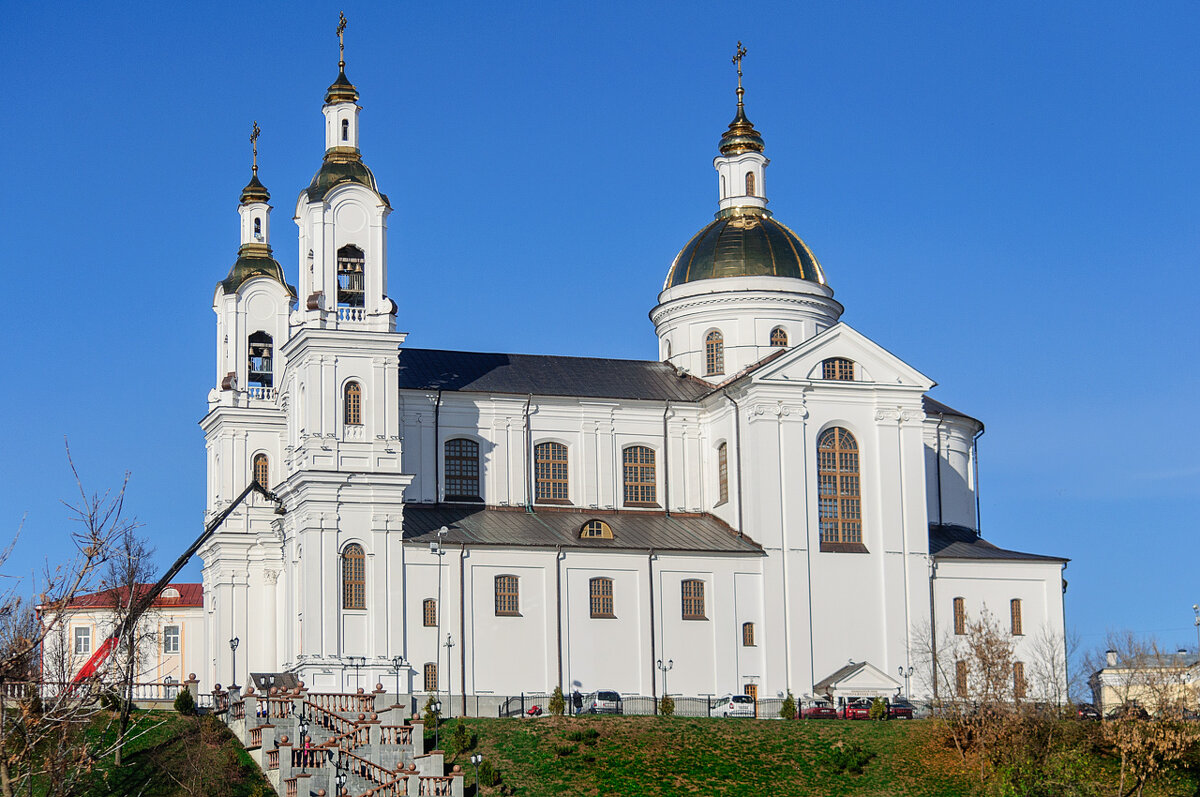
[[536, 703]]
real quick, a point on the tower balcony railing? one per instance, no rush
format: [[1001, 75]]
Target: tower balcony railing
[[351, 313], [259, 392]]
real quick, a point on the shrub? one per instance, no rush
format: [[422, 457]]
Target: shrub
[[184, 702], [588, 737], [430, 716], [564, 749], [843, 757], [666, 706], [462, 740], [878, 710], [557, 704], [488, 775], [787, 711]]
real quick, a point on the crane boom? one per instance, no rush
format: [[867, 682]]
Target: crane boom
[[143, 602]]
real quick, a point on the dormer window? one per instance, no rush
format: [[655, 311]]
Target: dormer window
[[351, 277], [838, 368], [596, 530], [260, 367], [345, 130]]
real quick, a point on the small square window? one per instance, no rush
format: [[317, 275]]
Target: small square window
[[171, 639], [83, 641]]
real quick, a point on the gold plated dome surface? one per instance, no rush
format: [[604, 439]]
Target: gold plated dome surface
[[255, 191], [341, 90], [254, 260], [744, 242], [741, 136]]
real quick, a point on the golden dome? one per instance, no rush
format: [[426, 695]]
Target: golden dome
[[254, 260], [255, 191], [341, 90], [741, 135], [744, 242]]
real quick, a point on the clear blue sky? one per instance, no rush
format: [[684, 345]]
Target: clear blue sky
[[1004, 195]]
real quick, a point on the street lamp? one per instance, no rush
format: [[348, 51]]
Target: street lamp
[[665, 668], [1196, 610], [356, 662], [436, 549], [397, 663], [339, 778], [437, 720], [905, 674], [477, 759], [233, 645]]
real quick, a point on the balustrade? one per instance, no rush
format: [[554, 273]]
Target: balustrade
[[291, 788], [396, 734], [259, 392], [351, 313], [435, 785], [256, 737], [273, 759]]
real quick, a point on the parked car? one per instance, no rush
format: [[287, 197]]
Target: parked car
[[818, 710], [732, 705], [855, 710], [603, 701], [1128, 711], [1086, 711], [900, 709]]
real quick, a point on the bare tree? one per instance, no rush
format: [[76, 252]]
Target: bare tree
[[128, 569]]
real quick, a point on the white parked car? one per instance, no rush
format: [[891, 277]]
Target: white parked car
[[732, 705], [604, 701]]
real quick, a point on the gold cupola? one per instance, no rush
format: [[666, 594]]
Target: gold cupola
[[741, 135]]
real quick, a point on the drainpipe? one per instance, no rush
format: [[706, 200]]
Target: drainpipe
[[938, 465], [437, 465], [975, 465], [528, 458], [666, 462], [737, 454], [904, 533], [653, 648], [933, 676], [462, 625], [558, 608]]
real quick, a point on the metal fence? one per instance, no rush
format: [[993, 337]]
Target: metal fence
[[632, 705]]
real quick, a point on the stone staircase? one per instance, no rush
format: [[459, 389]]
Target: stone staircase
[[374, 750]]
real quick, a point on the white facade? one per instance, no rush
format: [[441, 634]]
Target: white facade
[[364, 443]]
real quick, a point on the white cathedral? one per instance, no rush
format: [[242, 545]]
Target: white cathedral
[[773, 504]]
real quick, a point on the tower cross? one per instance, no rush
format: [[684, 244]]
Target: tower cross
[[341, 29], [254, 132], [738, 55]]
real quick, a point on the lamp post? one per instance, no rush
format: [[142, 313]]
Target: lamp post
[[477, 759], [449, 682], [233, 645], [397, 663], [1196, 610], [437, 720], [339, 778], [665, 668], [356, 662], [435, 548], [905, 674]]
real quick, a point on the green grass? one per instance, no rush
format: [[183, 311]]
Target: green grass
[[684, 756]]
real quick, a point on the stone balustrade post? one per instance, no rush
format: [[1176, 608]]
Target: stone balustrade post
[[418, 736], [457, 784], [285, 758], [192, 684]]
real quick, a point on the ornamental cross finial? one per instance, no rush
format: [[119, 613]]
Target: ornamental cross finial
[[341, 29], [738, 55], [254, 132]]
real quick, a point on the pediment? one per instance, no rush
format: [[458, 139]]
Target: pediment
[[873, 364]]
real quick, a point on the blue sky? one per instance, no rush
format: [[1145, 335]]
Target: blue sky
[[1003, 195]]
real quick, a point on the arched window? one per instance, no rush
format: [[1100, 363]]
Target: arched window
[[260, 366], [601, 594], [351, 265], [354, 577], [258, 229], [692, 593], [638, 464], [262, 470], [508, 596], [550, 472], [714, 353], [748, 635], [778, 336], [749, 183], [1014, 611], [352, 406], [838, 368], [345, 130], [960, 616], [838, 489], [431, 679], [596, 529], [429, 615], [462, 470], [722, 473]]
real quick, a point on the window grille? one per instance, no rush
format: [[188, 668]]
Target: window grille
[[354, 577], [693, 599], [550, 472], [723, 473], [508, 599], [262, 470], [960, 617], [714, 353], [462, 470], [778, 337], [838, 368], [429, 612], [748, 635], [838, 487], [353, 404], [601, 594], [639, 474], [431, 677], [1014, 610]]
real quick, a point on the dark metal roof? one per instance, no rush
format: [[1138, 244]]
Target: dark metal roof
[[933, 407], [545, 375], [948, 541], [641, 531]]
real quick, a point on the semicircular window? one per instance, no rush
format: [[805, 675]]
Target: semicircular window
[[596, 530]]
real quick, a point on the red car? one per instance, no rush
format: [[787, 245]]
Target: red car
[[900, 709], [856, 710], [818, 710]]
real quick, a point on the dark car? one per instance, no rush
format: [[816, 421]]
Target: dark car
[[900, 709], [1128, 711], [856, 710], [1086, 711], [818, 710]]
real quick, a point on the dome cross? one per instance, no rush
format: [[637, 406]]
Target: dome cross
[[738, 55], [341, 30], [254, 133]]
